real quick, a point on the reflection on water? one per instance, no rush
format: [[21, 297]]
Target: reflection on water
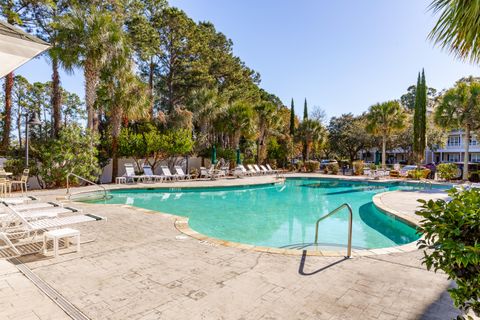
[[281, 215]]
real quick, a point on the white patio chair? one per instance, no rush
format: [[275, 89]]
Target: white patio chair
[[19, 227], [130, 173], [22, 182], [265, 170], [167, 174], [181, 174], [252, 170], [272, 170], [259, 171], [18, 200], [147, 170]]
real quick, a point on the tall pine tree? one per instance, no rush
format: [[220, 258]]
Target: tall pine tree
[[305, 110], [420, 118], [292, 118]]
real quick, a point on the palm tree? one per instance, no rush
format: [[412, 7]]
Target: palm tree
[[310, 131], [459, 107], [88, 37], [268, 121], [458, 27], [383, 119], [122, 94], [206, 105], [238, 120]]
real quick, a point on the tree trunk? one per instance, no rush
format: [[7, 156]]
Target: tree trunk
[[91, 80], [116, 128], [150, 87], [7, 118], [307, 151], [56, 98], [19, 127], [384, 151], [466, 144]]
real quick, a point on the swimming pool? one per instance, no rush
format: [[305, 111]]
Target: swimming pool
[[281, 215]]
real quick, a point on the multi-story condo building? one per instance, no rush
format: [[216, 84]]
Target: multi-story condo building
[[452, 151]]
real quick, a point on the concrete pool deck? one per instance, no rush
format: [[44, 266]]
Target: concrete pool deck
[[141, 267]]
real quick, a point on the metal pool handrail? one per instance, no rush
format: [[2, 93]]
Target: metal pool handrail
[[350, 218], [427, 183], [86, 180]]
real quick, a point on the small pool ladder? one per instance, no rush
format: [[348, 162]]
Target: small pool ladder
[[350, 218]]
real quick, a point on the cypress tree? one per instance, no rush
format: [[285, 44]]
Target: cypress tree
[[305, 142], [420, 118], [416, 121], [423, 120], [292, 118], [305, 110]]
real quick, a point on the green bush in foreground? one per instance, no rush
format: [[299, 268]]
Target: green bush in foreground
[[447, 171], [312, 165], [332, 168], [74, 151], [452, 243], [358, 167]]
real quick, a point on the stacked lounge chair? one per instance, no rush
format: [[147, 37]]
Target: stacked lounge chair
[[22, 223]]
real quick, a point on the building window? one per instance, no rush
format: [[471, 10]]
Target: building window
[[453, 157], [453, 141], [475, 157], [473, 141]]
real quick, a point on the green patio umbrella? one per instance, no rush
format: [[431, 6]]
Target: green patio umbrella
[[377, 158], [214, 155], [239, 161]]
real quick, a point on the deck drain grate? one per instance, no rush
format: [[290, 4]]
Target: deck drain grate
[[56, 297]]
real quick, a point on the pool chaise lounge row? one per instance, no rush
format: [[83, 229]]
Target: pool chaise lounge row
[[149, 176], [254, 170], [21, 223]]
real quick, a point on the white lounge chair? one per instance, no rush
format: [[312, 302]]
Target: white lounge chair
[[272, 170], [244, 170], [265, 170], [19, 227], [34, 205], [181, 174], [252, 171], [238, 172], [167, 174], [18, 200], [259, 171], [204, 173], [147, 170], [130, 173]]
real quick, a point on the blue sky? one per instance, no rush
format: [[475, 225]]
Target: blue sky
[[343, 55]]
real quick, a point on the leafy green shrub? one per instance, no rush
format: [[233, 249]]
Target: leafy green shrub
[[358, 167], [312, 165], [299, 165], [194, 172], [418, 174], [74, 151], [452, 242], [333, 168], [447, 171]]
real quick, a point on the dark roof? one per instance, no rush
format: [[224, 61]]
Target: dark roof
[[14, 32]]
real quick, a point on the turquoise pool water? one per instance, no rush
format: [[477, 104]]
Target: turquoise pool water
[[281, 215]]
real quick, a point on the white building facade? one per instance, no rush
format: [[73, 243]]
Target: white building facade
[[454, 149]]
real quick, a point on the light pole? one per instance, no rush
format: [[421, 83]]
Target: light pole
[[33, 121]]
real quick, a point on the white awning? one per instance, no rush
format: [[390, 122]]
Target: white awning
[[17, 47]]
